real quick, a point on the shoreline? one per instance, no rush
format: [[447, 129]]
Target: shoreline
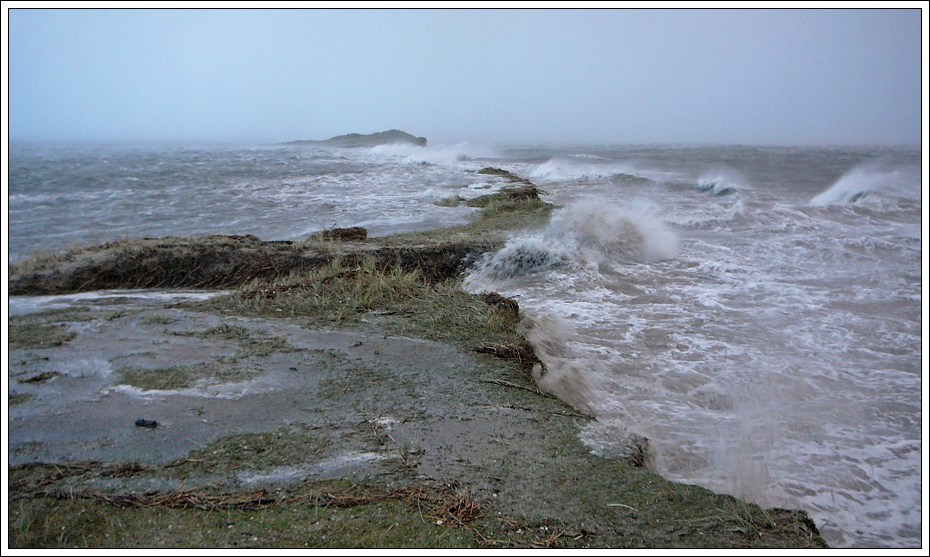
[[410, 395]]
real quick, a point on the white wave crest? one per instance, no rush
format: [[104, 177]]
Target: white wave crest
[[521, 256], [565, 170], [722, 181], [607, 232], [864, 179], [585, 232], [438, 154], [589, 156]]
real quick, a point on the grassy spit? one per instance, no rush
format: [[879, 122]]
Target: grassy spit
[[553, 492], [230, 261]]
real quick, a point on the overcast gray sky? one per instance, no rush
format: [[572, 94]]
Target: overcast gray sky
[[514, 76]]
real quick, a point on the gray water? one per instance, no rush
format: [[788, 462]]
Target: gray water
[[62, 196], [755, 312]]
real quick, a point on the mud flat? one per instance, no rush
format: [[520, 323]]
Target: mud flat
[[326, 393]]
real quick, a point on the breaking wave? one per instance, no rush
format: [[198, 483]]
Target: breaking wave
[[566, 170], [438, 154], [585, 232], [863, 180], [720, 182]]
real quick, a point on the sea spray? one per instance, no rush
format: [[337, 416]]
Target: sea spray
[[558, 374], [579, 240], [583, 233], [581, 168], [437, 154], [593, 169], [613, 438], [607, 232], [864, 179], [721, 181]]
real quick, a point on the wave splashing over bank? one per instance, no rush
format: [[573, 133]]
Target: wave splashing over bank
[[583, 233]]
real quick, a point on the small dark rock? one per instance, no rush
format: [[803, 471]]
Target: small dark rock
[[148, 424], [528, 193], [494, 171], [41, 378]]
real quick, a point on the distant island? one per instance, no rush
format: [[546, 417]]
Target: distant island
[[365, 140]]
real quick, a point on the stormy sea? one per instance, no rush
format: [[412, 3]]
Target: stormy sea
[[755, 312]]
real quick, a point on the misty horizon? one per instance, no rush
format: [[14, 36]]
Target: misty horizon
[[492, 77], [552, 144]]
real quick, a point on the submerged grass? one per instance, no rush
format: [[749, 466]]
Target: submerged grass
[[24, 334], [453, 201], [250, 345], [182, 377], [252, 451]]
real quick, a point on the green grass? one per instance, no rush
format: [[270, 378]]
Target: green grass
[[582, 502], [318, 514], [50, 523], [252, 451], [500, 213]]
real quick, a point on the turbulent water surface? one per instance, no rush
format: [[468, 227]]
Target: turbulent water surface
[[755, 312]]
